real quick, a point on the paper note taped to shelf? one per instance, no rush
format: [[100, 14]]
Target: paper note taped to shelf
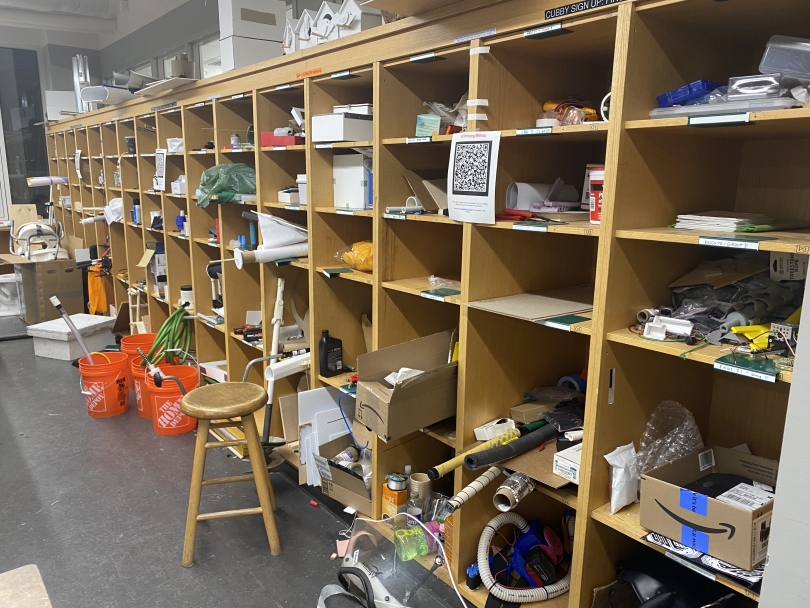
[[730, 241], [418, 140], [719, 119], [740, 364], [471, 176], [534, 131]]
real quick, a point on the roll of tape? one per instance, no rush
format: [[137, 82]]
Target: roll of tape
[[574, 382]]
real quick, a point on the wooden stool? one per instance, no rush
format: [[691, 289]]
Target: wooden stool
[[215, 402]]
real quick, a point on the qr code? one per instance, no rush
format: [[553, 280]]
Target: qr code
[[471, 168]]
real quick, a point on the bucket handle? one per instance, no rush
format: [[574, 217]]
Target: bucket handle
[[87, 393]]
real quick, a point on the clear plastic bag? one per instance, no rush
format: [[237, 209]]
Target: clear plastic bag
[[360, 256], [438, 282], [671, 433], [365, 461], [236, 178], [624, 477]]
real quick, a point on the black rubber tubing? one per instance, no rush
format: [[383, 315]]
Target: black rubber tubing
[[535, 439]]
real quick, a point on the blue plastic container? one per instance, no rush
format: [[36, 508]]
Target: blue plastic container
[[687, 93]]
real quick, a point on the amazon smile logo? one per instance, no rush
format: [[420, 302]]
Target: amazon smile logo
[[727, 528]]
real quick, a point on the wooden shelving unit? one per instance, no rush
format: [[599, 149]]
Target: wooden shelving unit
[[655, 169]]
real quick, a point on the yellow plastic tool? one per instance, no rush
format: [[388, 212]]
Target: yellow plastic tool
[[756, 334]]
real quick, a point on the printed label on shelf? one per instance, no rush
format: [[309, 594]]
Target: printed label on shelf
[[331, 273], [720, 119], [745, 371], [285, 261], [479, 50], [687, 564], [281, 87], [342, 74], [439, 294], [212, 97], [578, 7], [199, 104], [394, 216], [534, 131], [475, 36], [730, 241], [292, 207], [418, 140], [564, 322], [542, 30], [322, 146], [238, 96], [344, 211], [279, 147], [422, 57], [747, 497], [530, 226]]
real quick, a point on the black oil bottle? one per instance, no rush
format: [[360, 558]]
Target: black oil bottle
[[330, 354]]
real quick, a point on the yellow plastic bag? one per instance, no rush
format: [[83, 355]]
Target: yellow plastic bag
[[359, 257]]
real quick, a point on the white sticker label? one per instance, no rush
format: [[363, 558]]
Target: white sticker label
[[475, 35], [199, 105], [763, 486], [418, 140], [342, 74], [543, 29], [534, 131], [557, 325], [322, 146], [477, 117], [480, 50], [706, 460], [323, 467], [722, 119], [743, 371], [747, 497], [423, 56], [355, 556], [477, 103], [728, 242], [279, 147], [292, 207], [344, 211], [529, 228], [239, 96], [394, 216], [431, 296], [281, 87]]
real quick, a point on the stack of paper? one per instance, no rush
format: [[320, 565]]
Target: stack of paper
[[723, 221]]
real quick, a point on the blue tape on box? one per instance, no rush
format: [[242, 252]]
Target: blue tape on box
[[694, 539], [694, 502]]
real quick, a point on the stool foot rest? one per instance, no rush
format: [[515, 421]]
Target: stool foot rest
[[234, 479], [232, 513], [211, 445]]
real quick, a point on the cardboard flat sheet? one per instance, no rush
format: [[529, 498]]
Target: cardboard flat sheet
[[23, 588], [538, 466], [719, 274], [540, 306]]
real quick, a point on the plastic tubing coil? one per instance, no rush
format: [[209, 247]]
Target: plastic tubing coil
[[478, 484], [478, 460], [517, 596]]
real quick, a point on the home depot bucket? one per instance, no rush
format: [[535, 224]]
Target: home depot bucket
[[130, 346], [142, 398], [167, 417], [104, 384]]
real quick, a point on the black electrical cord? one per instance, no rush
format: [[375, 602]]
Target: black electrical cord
[[535, 439]]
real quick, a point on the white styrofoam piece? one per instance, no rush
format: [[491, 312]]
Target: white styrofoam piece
[[336, 127], [350, 181], [9, 297], [70, 350], [57, 329]]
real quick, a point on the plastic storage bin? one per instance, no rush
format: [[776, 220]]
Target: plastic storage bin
[[725, 107], [54, 340], [687, 93], [787, 56]]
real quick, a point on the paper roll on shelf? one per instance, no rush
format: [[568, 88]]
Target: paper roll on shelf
[[46, 180], [277, 232], [106, 94], [262, 256]]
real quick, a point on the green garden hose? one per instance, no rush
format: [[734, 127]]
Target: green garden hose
[[173, 340]]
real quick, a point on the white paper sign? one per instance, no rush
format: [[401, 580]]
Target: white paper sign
[[78, 163], [471, 176], [159, 181]]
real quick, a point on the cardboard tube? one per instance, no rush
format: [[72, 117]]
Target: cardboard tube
[[262, 256], [443, 469]]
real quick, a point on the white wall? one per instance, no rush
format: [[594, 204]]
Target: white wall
[[141, 13]]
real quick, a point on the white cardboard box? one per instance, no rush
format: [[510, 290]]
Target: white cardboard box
[[351, 181], [54, 340], [566, 463], [366, 109], [337, 127], [216, 370]]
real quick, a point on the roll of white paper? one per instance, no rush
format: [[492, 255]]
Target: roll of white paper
[[277, 232], [46, 180], [106, 94], [262, 256], [286, 367]]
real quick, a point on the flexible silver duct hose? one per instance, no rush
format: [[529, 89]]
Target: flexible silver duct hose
[[476, 486], [517, 596]]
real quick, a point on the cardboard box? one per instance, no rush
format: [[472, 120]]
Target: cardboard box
[[735, 533], [788, 266], [531, 412], [416, 403], [343, 486], [567, 463], [268, 139], [37, 282], [342, 127], [351, 181], [354, 108]]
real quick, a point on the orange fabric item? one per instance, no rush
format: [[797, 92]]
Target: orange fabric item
[[97, 293]]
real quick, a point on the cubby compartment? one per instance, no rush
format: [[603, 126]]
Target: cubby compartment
[[335, 233], [210, 342], [114, 136], [242, 294], [403, 317], [151, 206], [405, 85], [347, 87], [232, 225], [128, 167], [202, 286], [233, 116], [146, 141], [118, 255], [147, 168], [169, 126], [428, 160], [178, 256], [524, 70], [198, 127]]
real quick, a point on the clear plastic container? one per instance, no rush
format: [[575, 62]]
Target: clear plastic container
[[788, 56], [757, 86], [725, 107]]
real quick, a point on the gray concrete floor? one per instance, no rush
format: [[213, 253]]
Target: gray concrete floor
[[99, 505]]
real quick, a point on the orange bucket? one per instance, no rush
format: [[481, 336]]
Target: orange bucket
[[167, 417], [130, 346], [142, 398], [105, 384]]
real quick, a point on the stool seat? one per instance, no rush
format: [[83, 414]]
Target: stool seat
[[225, 400]]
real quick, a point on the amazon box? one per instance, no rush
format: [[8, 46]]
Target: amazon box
[[419, 401], [734, 526], [338, 483]]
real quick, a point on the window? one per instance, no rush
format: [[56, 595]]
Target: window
[[144, 70], [210, 58]]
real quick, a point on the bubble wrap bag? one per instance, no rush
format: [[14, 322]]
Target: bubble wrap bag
[[671, 433]]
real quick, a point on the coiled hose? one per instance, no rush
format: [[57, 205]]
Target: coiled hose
[[506, 594], [174, 335], [535, 439]]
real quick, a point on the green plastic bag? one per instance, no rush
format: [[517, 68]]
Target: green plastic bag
[[236, 178]]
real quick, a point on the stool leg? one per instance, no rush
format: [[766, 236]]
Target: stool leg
[[195, 492], [262, 479]]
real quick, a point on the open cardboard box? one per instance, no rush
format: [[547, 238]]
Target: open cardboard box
[[339, 483], [37, 282], [735, 533], [415, 403]]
